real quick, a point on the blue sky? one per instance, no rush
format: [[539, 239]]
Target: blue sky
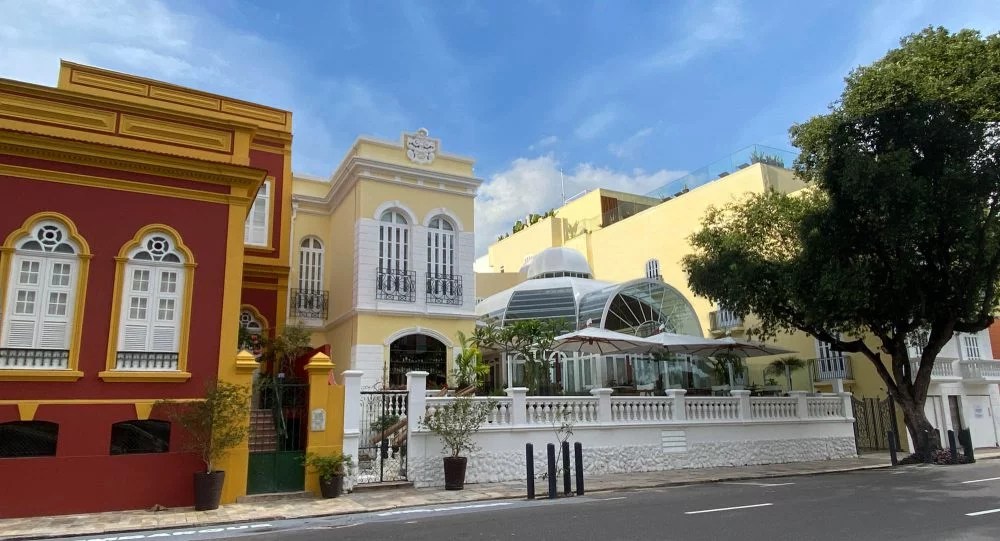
[[625, 95]]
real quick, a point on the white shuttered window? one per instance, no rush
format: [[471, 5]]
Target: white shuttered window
[[152, 305], [41, 294], [311, 265], [255, 229]]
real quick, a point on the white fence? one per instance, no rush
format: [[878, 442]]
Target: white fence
[[632, 434]]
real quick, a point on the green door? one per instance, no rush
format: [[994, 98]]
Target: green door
[[278, 439]]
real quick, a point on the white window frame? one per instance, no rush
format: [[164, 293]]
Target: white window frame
[[970, 347], [394, 242], [311, 264], [653, 269], [256, 234], [152, 288], [441, 252], [34, 282]]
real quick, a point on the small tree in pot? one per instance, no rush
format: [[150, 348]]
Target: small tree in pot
[[213, 426], [331, 470], [455, 423]]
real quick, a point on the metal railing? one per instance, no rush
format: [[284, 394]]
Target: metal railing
[[444, 289], [730, 164], [34, 359], [833, 367], [310, 304], [396, 285], [145, 360]]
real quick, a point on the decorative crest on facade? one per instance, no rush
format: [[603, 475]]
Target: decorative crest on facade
[[420, 148]]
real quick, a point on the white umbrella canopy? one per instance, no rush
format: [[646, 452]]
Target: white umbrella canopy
[[673, 343], [738, 348], [595, 340]]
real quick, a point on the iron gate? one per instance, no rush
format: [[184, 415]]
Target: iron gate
[[382, 449], [278, 424], [873, 418]]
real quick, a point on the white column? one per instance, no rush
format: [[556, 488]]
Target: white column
[[603, 404], [352, 416], [801, 407], [518, 405], [416, 403], [677, 395], [849, 406], [838, 385], [742, 403]]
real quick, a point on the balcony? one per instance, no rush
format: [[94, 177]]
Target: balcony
[[943, 370], [34, 359], [723, 321], [396, 285], [833, 367], [310, 304], [444, 289], [980, 370]]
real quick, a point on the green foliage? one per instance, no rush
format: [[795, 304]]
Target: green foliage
[[469, 366], [456, 422], [384, 422], [533, 339], [900, 227], [329, 466], [286, 347], [784, 366], [767, 159], [213, 425]]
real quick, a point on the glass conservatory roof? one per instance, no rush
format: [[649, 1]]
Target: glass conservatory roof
[[641, 307]]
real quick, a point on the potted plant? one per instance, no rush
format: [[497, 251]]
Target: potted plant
[[213, 425], [331, 470], [455, 423]]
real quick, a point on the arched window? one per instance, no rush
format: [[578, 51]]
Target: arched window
[[653, 269], [152, 305], [251, 333], [311, 264], [443, 286], [41, 296], [395, 280]]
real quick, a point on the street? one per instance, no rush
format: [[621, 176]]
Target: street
[[912, 502]]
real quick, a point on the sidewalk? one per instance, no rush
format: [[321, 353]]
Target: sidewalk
[[379, 500]]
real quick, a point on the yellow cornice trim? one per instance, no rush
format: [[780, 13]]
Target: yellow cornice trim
[[123, 376], [115, 184], [40, 375], [128, 159]]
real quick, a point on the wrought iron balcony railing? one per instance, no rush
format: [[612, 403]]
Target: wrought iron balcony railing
[[34, 359], [396, 285], [833, 367], [444, 289], [310, 304]]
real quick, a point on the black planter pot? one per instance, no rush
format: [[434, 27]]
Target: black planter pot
[[332, 487], [454, 472], [208, 490]]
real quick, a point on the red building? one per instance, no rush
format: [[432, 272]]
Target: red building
[[127, 259]]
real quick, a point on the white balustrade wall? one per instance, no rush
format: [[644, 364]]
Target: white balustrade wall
[[633, 433]]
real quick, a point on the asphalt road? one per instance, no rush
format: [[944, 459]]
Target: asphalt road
[[913, 503]]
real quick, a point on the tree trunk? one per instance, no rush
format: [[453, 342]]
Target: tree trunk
[[926, 439]]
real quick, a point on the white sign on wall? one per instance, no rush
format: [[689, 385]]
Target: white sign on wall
[[317, 420]]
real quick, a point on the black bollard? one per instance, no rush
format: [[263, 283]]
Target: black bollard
[[567, 487], [965, 437], [952, 447], [552, 470], [892, 448], [529, 461], [578, 451]]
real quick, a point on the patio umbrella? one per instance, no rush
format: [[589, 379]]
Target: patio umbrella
[[595, 340], [673, 343], [737, 348]]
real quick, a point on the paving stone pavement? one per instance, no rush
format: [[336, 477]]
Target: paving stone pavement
[[379, 500]]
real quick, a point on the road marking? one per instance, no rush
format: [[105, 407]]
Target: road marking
[[759, 484], [727, 508], [979, 480], [986, 512], [179, 533], [609, 499]]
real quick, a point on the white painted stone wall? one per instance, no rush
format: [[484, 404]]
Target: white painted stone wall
[[369, 359], [611, 449]]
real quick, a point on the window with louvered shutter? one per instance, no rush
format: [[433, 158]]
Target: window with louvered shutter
[[41, 296], [152, 303], [255, 229], [311, 265], [394, 243]]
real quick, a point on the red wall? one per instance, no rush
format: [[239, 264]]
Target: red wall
[[83, 477], [107, 219], [995, 339], [265, 301]]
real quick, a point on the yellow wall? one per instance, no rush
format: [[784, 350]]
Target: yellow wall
[[510, 253], [491, 283], [386, 152], [420, 200]]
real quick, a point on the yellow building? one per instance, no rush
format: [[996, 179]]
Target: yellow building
[[625, 237], [382, 262]]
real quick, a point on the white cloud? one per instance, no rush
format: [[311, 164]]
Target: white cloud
[[155, 39], [702, 30], [596, 123], [533, 185], [544, 142], [628, 147]]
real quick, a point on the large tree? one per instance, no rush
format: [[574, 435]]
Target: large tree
[[898, 231]]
